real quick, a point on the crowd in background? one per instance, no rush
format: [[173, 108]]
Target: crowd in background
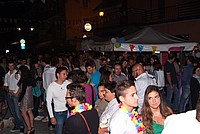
[[29, 83]]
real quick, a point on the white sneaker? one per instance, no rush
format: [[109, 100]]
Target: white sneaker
[[41, 117], [38, 118], [46, 119]]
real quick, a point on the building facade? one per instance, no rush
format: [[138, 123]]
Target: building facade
[[176, 17]]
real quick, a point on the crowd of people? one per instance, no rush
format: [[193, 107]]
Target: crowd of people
[[97, 93]]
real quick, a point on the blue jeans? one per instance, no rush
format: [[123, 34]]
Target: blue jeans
[[175, 104], [15, 111], [184, 97], [61, 117]]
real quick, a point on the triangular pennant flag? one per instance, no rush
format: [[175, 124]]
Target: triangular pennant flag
[[154, 48], [140, 47], [132, 47]]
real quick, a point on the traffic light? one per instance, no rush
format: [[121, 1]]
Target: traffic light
[[23, 46]]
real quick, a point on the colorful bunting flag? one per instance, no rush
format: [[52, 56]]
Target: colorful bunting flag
[[154, 48], [140, 47]]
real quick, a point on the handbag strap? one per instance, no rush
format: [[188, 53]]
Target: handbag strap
[[88, 128], [93, 101]]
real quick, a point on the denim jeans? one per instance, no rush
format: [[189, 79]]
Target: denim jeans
[[36, 105], [61, 117], [184, 97], [15, 111], [175, 104]]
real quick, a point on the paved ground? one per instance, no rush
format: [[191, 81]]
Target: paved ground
[[40, 127]]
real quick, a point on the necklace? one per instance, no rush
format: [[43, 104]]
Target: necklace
[[80, 108], [135, 118]]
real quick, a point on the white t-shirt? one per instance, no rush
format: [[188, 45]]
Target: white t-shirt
[[110, 109], [120, 123], [57, 93], [11, 81], [141, 83], [184, 123], [48, 76]]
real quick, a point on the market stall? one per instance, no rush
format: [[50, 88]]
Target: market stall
[[148, 40]]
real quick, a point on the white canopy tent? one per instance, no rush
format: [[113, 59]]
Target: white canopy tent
[[149, 40]]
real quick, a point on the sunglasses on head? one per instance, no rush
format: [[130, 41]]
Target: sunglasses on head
[[69, 97]]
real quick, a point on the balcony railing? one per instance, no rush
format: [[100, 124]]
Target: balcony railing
[[144, 17]]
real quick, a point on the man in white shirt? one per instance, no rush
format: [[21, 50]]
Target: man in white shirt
[[56, 92], [142, 81], [184, 123], [111, 107], [126, 119], [48, 76], [10, 84]]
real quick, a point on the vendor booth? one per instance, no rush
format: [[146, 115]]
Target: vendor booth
[[148, 40]]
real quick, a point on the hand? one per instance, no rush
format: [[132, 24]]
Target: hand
[[11, 91], [53, 121], [17, 94], [171, 86], [103, 131]]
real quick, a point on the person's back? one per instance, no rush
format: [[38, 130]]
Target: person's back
[[48, 77], [88, 90], [83, 118], [142, 81], [184, 123], [171, 82], [91, 116]]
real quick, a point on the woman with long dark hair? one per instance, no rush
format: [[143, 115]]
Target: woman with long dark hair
[[154, 110], [26, 83]]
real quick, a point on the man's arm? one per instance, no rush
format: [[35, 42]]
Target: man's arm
[[49, 98], [169, 80]]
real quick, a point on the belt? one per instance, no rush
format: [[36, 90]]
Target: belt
[[61, 112]]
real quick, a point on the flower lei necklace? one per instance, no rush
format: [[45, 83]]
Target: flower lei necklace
[[80, 108], [135, 118]]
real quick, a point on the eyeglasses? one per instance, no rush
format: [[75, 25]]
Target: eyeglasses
[[69, 97]]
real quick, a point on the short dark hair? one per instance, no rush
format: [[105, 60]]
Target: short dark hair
[[171, 56], [122, 86], [155, 57], [76, 63], [79, 77], [195, 68], [90, 62], [191, 59], [77, 91], [117, 64], [59, 69], [10, 61], [110, 85], [157, 65], [45, 60]]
